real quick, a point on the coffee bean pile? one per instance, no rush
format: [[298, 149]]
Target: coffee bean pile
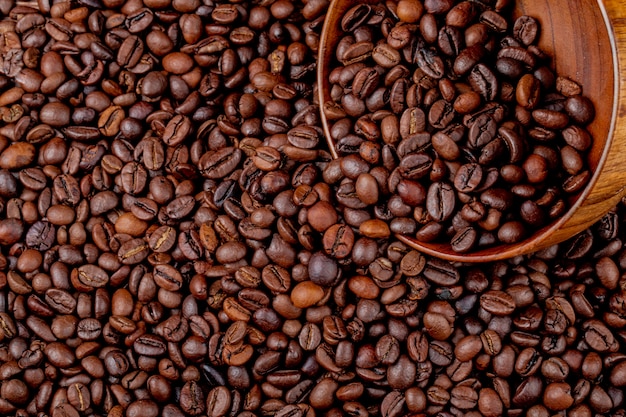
[[176, 241], [452, 123]]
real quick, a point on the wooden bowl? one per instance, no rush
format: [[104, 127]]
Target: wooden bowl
[[587, 41]]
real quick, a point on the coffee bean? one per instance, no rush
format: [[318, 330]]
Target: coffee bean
[[192, 399], [525, 29], [489, 403], [440, 201], [88, 277], [464, 240], [497, 303], [386, 56], [149, 345], [220, 164], [133, 251], [355, 17], [322, 270], [338, 241], [557, 396]]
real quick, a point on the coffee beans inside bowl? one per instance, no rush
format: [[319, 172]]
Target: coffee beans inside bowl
[[453, 109]]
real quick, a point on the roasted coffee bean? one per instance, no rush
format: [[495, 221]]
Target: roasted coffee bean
[[464, 240], [440, 201], [338, 241], [88, 277], [497, 302], [221, 163], [525, 29]]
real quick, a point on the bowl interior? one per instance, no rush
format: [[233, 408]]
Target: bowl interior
[[575, 33]]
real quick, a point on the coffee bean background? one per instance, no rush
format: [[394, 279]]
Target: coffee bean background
[[175, 239]]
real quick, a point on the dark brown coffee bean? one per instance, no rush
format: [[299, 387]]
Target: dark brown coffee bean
[[338, 241], [598, 336], [88, 277], [489, 403], [441, 273], [482, 131], [511, 232], [527, 91], [385, 56], [484, 82], [497, 302], [303, 137], [133, 251], [149, 345], [192, 398], [580, 109], [162, 239], [220, 163], [464, 240], [526, 29], [276, 278], [355, 17], [440, 201]]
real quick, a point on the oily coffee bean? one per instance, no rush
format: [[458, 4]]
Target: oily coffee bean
[[440, 201]]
